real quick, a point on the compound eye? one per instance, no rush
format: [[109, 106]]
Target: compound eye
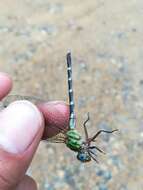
[[83, 157]]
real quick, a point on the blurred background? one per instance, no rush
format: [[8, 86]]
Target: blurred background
[[105, 38]]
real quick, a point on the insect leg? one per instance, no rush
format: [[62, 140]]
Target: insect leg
[[95, 147], [84, 124], [90, 154], [99, 132]]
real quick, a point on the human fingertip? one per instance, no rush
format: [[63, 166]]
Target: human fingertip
[[21, 122], [54, 107], [27, 183], [56, 114], [5, 84]]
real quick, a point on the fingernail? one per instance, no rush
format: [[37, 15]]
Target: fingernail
[[5, 84], [19, 124], [58, 105]]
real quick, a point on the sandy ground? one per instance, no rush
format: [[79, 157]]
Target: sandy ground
[[105, 38]]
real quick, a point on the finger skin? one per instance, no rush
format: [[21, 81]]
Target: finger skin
[[56, 116], [5, 85], [13, 167], [56, 113], [27, 183]]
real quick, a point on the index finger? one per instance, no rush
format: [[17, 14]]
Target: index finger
[[56, 114], [5, 85]]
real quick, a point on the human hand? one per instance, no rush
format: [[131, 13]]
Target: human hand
[[22, 126]]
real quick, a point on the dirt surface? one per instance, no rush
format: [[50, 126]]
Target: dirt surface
[[105, 38]]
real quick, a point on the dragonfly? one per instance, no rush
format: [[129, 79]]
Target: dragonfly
[[84, 147]]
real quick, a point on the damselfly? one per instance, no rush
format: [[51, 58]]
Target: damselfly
[[85, 148]]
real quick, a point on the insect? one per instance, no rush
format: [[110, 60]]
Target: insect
[[84, 148]]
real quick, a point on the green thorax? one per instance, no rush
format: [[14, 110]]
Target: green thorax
[[73, 140]]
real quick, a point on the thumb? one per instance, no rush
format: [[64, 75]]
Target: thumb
[[21, 128]]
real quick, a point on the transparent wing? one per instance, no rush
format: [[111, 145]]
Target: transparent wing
[[9, 99], [59, 138]]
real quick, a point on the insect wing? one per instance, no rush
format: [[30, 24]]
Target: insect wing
[[59, 138], [11, 98]]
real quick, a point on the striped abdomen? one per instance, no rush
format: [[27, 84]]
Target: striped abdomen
[[70, 91]]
